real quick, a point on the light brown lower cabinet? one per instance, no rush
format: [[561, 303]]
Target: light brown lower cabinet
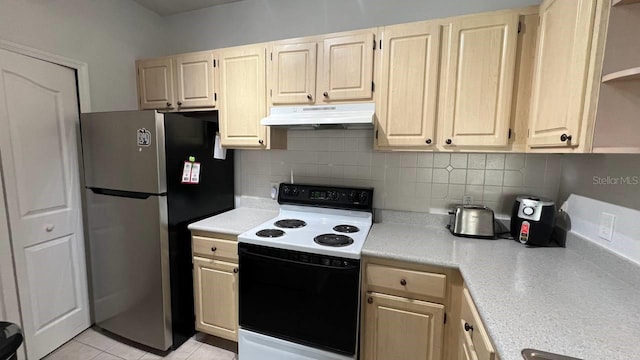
[[402, 328], [216, 297], [473, 340]]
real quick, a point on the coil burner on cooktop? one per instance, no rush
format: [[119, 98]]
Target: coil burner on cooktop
[[335, 240], [346, 228], [290, 223], [270, 233]]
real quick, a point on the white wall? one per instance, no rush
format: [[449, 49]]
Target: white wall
[[253, 21], [109, 35]]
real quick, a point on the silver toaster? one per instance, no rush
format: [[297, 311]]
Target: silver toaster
[[476, 221]]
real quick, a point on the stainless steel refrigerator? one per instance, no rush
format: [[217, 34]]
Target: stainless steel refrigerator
[[137, 212]]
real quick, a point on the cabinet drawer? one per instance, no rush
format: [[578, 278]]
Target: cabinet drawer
[[479, 337], [227, 249], [406, 281]]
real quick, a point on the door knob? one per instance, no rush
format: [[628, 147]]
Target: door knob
[[326, 94], [309, 97], [235, 270], [213, 248], [179, 103], [370, 300], [168, 104], [403, 282], [261, 142], [428, 141], [449, 141], [468, 327], [50, 228], [565, 137]]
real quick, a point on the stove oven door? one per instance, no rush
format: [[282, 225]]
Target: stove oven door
[[303, 298]]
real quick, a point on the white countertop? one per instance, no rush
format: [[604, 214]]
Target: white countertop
[[550, 299], [234, 222]]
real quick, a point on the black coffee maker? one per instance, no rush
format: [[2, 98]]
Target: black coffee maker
[[532, 220]]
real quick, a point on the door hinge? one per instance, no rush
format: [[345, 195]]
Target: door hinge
[[271, 92], [509, 137], [376, 134], [519, 27], [374, 44], [215, 96], [528, 133], [373, 86], [445, 318], [380, 47], [271, 56], [214, 62]]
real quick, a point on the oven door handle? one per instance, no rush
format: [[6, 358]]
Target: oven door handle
[[247, 252]]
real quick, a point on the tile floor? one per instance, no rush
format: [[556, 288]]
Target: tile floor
[[92, 344]]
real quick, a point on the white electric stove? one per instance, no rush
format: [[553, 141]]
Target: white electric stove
[[299, 275]]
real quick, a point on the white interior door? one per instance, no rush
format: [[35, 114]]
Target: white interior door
[[38, 149]]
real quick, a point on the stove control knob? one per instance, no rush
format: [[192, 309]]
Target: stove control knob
[[352, 196], [286, 190], [334, 195], [363, 197], [295, 191], [528, 210]]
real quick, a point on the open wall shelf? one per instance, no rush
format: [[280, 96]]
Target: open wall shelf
[[624, 2], [626, 74]]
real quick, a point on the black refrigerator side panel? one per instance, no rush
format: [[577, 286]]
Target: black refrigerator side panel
[[191, 135]]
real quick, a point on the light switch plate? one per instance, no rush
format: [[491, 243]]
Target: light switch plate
[[607, 223], [467, 200]]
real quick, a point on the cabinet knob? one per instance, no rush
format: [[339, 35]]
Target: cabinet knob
[[468, 327], [50, 228], [403, 282], [309, 97], [449, 141], [428, 141], [261, 142], [168, 104], [213, 248], [326, 94], [565, 138], [370, 300], [235, 270]]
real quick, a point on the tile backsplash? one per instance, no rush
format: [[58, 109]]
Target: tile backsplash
[[409, 181]]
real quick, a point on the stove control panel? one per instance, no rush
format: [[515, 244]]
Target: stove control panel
[[326, 196]]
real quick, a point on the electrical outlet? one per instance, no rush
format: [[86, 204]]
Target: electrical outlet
[[467, 200], [607, 222], [274, 190]]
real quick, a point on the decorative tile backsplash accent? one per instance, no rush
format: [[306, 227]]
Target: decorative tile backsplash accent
[[409, 181]]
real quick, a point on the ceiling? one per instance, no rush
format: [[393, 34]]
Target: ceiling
[[171, 7]]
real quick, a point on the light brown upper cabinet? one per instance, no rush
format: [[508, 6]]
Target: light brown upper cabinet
[[181, 82], [407, 69], [561, 81], [323, 69], [195, 81], [294, 73], [477, 77], [155, 84], [242, 103]]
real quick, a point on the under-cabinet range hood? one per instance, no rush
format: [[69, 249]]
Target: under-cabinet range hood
[[322, 116]]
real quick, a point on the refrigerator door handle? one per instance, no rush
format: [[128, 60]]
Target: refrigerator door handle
[[120, 193]]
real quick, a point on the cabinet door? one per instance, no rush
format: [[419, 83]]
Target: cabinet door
[[243, 96], [347, 68], [560, 73], [478, 74], [194, 74], [155, 84], [293, 77], [400, 328], [465, 344], [216, 297], [409, 84]]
